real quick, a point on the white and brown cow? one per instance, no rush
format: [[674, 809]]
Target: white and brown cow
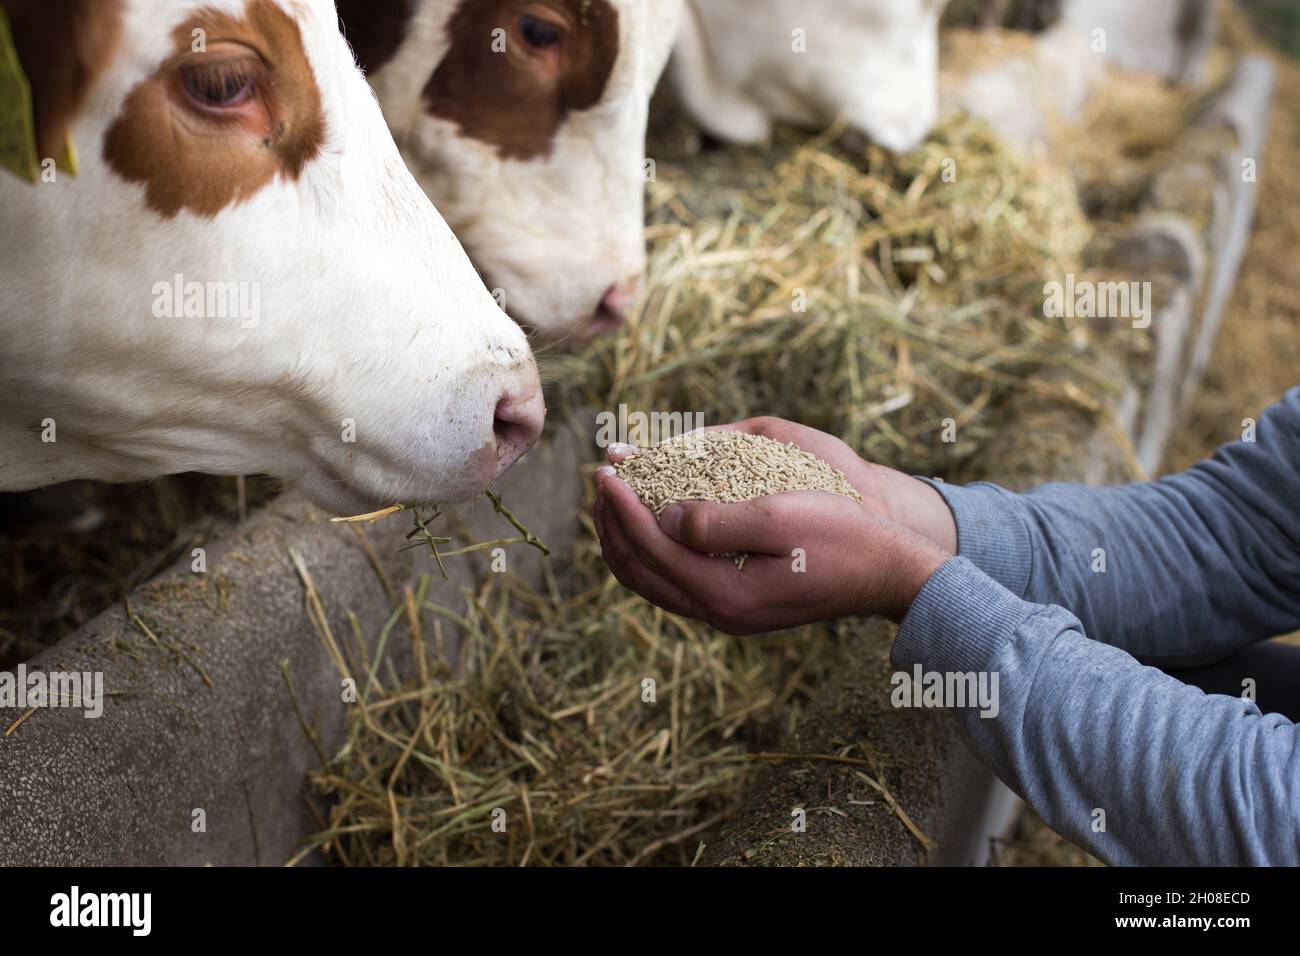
[[742, 65], [231, 152], [525, 122]]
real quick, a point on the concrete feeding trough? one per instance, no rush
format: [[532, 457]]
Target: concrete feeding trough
[[200, 755]]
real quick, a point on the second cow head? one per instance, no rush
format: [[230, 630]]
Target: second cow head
[[525, 122]]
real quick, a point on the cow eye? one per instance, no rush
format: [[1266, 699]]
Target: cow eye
[[538, 33], [218, 86]]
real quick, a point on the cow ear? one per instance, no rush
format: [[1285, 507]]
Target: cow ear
[[62, 47]]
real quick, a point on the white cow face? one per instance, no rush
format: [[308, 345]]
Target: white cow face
[[742, 65], [525, 122], [244, 278], [893, 96]]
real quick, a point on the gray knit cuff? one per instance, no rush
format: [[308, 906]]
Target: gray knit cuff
[[991, 531], [959, 622]]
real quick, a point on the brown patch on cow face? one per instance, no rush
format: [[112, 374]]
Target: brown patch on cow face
[[210, 129], [375, 29], [558, 56], [64, 46]]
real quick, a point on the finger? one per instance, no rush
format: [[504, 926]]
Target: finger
[[635, 576], [773, 525], [632, 574], [692, 572], [597, 516], [619, 451]]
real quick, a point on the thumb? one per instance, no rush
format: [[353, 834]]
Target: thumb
[[768, 525]]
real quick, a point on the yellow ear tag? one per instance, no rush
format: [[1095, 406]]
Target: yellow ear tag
[[17, 120]]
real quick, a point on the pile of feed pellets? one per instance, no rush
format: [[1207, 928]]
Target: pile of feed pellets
[[727, 466]]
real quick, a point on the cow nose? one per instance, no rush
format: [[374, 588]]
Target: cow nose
[[612, 311], [517, 425], [903, 133]]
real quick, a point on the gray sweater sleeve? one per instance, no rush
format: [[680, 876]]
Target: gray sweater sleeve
[[1127, 762], [1179, 571]]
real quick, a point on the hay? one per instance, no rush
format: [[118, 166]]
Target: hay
[[591, 730], [1133, 128], [867, 296], [924, 303]]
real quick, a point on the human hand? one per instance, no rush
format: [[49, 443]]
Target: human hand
[[813, 556], [889, 493]]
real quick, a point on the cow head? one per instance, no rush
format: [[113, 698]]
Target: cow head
[[243, 277], [743, 64], [525, 122], [893, 93]]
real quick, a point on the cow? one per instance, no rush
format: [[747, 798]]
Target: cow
[[1028, 91], [525, 122], [1171, 38], [741, 66], [215, 260]]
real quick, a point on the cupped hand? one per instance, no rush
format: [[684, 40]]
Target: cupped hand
[[899, 497], [812, 555]]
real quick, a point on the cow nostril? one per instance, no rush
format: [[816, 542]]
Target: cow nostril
[[516, 425], [612, 311]]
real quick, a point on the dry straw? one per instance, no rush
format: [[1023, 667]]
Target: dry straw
[[869, 296], [923, 303], [592, 729]]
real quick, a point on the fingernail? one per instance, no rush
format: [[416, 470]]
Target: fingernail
[[606, 471], [671, 520], [622, 449]]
